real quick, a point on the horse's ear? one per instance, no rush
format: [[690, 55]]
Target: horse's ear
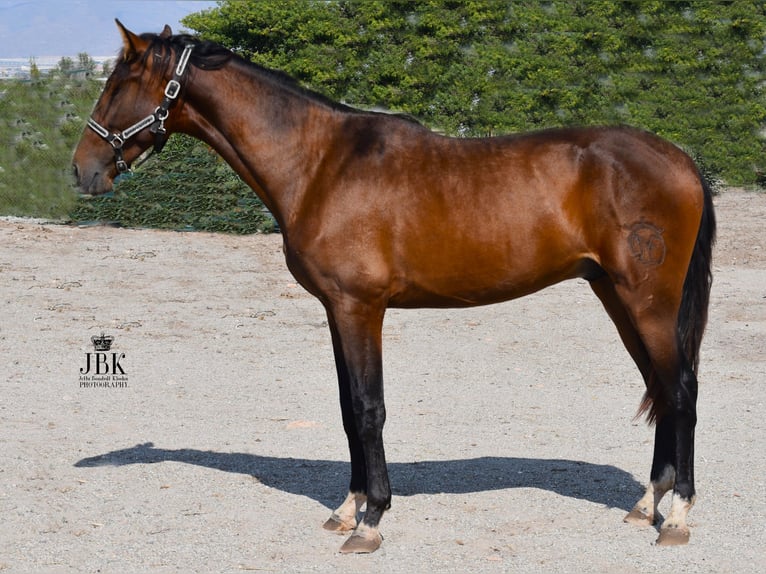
[[166, 32], [132, 44]]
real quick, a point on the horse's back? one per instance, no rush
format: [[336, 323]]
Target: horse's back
[[514, 179]]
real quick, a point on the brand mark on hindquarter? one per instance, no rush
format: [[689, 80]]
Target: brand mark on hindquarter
[[646, 243]]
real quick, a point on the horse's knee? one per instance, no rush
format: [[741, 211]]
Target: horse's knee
[[370, 421]]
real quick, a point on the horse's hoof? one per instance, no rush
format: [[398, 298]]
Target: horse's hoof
[[638, 517], [337, 524], [673, 536], [362, 542]]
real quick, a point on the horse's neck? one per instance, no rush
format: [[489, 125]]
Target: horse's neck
[[261, 133]]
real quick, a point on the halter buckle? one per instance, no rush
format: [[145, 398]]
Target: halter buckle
[[116, 141], [172, 89]]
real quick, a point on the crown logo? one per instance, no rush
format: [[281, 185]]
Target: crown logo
[[102, 342]]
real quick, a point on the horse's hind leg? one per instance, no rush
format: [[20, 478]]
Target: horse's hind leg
[[644, 513], [674, 453], [662, 477], [652, 342], [604, 289]]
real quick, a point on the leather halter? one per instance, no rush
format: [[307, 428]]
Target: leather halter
[[154, 121]]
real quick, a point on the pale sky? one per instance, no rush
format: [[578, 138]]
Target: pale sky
[[38, 28]]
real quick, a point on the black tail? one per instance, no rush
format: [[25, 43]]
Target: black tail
[[692, 316]]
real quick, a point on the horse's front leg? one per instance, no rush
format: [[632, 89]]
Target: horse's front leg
[[344, 518], [356, 331]]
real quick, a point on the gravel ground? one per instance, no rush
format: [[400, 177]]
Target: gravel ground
[[510, 436]]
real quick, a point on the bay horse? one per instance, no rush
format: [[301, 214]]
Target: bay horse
[[377, 211]]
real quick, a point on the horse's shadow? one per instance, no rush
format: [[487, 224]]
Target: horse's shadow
[[325, 480]]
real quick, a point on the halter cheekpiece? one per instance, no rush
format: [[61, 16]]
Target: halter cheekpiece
[[154, 121]]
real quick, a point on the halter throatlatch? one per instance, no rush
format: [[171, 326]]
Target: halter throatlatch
[[154, 121]]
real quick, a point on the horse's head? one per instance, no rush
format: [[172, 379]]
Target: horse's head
[[130, 115]]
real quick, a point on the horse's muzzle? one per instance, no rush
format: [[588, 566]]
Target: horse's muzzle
[[91, 182]]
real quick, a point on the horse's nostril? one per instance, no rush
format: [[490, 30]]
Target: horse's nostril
[[76, 172]]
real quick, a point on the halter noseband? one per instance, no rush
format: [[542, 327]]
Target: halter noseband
[[154, 121]]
